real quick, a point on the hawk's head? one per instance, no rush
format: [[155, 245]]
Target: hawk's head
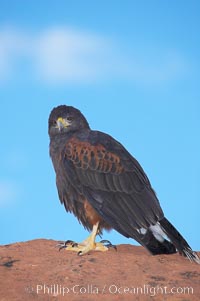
[[66, 119]]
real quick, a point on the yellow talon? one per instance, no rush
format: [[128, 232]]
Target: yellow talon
[[88, 244]]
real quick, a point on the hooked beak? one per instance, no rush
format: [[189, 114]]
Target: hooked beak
[[62, 123]]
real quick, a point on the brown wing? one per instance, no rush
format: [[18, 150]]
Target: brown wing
[[112, 181]]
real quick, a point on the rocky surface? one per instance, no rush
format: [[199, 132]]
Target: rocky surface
[[36, 270]]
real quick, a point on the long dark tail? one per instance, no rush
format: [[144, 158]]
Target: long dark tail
[[163, 238], [178, 241]]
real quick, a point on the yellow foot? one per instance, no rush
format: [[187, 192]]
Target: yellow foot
[[86, 246], [83, 248]]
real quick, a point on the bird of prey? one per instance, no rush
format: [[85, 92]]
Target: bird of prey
[[105, 187]]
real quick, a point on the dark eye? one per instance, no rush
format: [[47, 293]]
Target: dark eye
[[70, 118], [54, 123]]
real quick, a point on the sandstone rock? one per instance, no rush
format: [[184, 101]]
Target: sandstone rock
[[36, 270]]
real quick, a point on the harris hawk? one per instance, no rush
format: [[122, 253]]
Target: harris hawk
[[105, 187]]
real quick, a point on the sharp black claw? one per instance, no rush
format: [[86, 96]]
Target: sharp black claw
[[70, 242], [108, 244], [63, 245]]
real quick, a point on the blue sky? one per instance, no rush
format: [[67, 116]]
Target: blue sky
[[132, 68]]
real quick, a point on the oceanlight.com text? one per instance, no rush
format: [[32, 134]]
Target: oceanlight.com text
[[112, 289]]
